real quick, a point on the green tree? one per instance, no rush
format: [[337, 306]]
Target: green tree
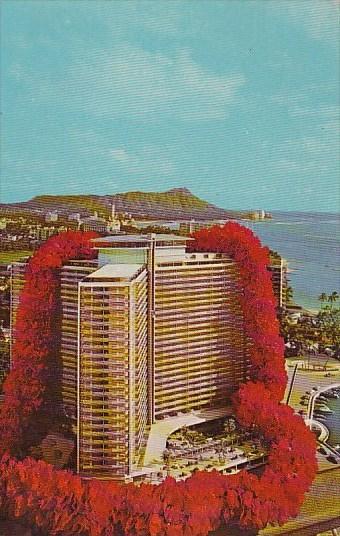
[[329, 326], [289, 294], [333, 297], [167, 457], [328, 322], [230, 429], [323, 297]]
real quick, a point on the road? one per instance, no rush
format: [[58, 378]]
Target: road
[[314, 396]]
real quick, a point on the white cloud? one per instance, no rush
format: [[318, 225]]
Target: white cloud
[[131, 82], [288, 165], [18, 73], [319, 147], [154, 17], [149, 160], [319, 18], [120, 155], [332, 128], [323, 111]]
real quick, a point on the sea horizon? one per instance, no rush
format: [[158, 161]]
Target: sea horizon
[[311, 243], [276, 211]]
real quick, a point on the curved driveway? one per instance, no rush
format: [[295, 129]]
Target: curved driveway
[[161, 430]]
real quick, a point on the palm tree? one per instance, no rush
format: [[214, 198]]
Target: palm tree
[[332, 298], [166, 455], [323, 297], [289, 294], [230, 429]]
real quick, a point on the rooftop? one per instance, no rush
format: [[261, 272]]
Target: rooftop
[[116, 271], [139, 238]]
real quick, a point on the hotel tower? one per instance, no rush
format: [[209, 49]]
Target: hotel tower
[[148, 332]]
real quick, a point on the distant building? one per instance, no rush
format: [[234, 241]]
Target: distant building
[[113, 227], [101, 225], [189, 227], [144, 224], [279, 268], [259, 215], [6, 332], [96, 224], [4, 272], [75, 216], [51, 217], [40, 233]]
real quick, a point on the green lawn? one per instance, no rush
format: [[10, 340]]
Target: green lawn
[[6, 257]]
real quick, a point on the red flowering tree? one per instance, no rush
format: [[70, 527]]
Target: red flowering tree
[[62, 504], [29, 389]]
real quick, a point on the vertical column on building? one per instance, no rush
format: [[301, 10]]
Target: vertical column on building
[[17, 281], [132, 383], [281, 283], [151, 327], [78, 381]]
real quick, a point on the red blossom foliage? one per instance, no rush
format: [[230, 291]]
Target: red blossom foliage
[[62, 504], [30, 386]]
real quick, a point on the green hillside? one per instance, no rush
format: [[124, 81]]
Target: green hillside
[[177, 203], [178, 197], [87, 202]]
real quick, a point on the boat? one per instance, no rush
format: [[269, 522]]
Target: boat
[[325, 411], [320, 403], [331, 394]]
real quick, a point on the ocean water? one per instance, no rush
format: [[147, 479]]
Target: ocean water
[[333, 421], [311, 244]]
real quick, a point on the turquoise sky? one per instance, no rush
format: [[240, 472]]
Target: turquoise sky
[[237, 100]]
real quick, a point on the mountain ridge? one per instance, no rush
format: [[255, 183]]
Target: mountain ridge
[[176, 203]]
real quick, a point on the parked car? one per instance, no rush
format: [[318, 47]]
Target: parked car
[[331, 458]]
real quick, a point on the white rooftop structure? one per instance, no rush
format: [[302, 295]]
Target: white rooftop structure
[[135, 240], [138, 248], [116, 271]]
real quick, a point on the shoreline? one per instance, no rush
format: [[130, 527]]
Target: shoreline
[[309, 382], [325, 431], [294, 307], [332, 423]]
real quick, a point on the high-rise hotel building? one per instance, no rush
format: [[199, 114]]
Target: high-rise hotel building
[[148, 330], [278, 268]]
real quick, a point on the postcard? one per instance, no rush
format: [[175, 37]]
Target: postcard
[[169, 268]]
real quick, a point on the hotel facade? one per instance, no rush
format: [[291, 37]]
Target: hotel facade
[[148, 332]]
